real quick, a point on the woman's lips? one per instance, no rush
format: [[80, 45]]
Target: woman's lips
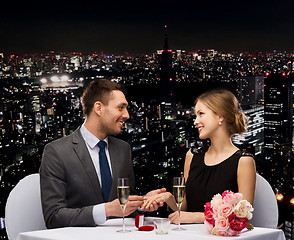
[[200, 128]]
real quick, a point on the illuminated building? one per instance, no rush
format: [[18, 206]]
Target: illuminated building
[[278, 125], [285, 198], [252, 139], [250, 94], [167, 82], [250, 90]]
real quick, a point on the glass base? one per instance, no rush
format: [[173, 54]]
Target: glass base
[[124, 230], [179, 229]]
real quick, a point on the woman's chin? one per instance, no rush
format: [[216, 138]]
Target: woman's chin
[[201, 136]]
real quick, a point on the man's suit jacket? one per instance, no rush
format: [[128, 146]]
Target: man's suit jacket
[[69, 183]]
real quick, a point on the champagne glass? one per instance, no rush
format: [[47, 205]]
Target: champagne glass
[[179, 193], [123, 192]]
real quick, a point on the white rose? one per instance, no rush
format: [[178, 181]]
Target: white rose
[[216, 201], [243, 209]]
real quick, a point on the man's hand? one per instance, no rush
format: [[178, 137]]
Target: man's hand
[[113, 209], [133, 204]]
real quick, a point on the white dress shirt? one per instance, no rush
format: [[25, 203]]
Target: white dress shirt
[[99, 214]]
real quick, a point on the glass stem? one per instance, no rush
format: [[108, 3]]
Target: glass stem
[[124, 227], [179, 209]]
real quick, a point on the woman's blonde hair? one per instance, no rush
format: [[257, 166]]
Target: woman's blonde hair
[[224, 104]]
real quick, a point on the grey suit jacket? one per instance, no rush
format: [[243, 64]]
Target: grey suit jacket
[[69, 183]]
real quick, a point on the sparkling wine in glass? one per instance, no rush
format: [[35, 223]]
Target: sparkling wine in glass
[[179, 193], [123, 192]]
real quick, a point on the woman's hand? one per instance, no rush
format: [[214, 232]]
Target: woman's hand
[[153, 206], [186, 217], [158, 199]]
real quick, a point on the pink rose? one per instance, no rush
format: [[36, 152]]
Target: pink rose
[[238, 197], [232, 198], [222, 233], [207, 206], [227, 214], [232, 232], [214, 231], [208, 226], [226, 192], [222, 223], [225, 210], [236, 223], [208, 213]]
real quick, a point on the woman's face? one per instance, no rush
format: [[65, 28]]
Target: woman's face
[[207, 122]]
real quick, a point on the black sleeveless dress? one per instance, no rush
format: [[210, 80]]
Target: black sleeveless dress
[[205, 181]]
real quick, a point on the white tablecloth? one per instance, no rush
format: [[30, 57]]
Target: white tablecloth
[[108, 230]]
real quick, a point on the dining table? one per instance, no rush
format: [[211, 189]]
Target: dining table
[[108, 231]]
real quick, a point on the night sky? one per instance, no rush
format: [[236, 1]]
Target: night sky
[[137, 27]]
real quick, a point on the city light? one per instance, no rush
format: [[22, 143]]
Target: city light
[[55, 79], [279, 196], [43, 80], [64, 78]]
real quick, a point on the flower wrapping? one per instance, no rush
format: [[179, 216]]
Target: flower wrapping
[[227, 214]]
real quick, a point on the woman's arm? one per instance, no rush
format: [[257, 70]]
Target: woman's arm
[[188, 160], [246, 177], [187, 217]]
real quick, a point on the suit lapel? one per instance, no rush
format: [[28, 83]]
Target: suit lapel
[[82, 152]]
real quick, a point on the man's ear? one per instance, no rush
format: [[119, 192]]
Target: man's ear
[[97, 108]]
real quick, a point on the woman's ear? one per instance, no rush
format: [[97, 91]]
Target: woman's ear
[[220, 120]]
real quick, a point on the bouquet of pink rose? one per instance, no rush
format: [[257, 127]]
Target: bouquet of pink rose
[[227, 214]]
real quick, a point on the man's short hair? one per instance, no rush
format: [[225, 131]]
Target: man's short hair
[[98, 90]]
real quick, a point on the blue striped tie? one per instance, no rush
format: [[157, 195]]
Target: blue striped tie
[[106, 178]]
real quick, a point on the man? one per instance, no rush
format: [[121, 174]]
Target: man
[[78, 175]]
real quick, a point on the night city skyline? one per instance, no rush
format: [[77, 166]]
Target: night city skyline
[[50, 51], [41, 94], [117, 28]]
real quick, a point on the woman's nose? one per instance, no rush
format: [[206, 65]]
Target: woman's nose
[[196, 121]]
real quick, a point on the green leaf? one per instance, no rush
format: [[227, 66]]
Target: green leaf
[[249, 226]]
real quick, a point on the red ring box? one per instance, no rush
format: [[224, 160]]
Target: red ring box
[[139, 223]]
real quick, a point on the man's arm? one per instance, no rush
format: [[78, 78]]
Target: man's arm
[[56, 210]]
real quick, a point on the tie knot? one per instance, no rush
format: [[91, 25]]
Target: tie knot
[[101, 145]]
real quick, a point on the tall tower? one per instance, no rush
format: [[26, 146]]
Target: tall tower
[[167, 81], [278, 123]]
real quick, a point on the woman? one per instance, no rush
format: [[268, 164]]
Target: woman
[[222, 166]]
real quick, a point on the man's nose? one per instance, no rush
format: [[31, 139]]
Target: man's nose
[[126, 114]]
